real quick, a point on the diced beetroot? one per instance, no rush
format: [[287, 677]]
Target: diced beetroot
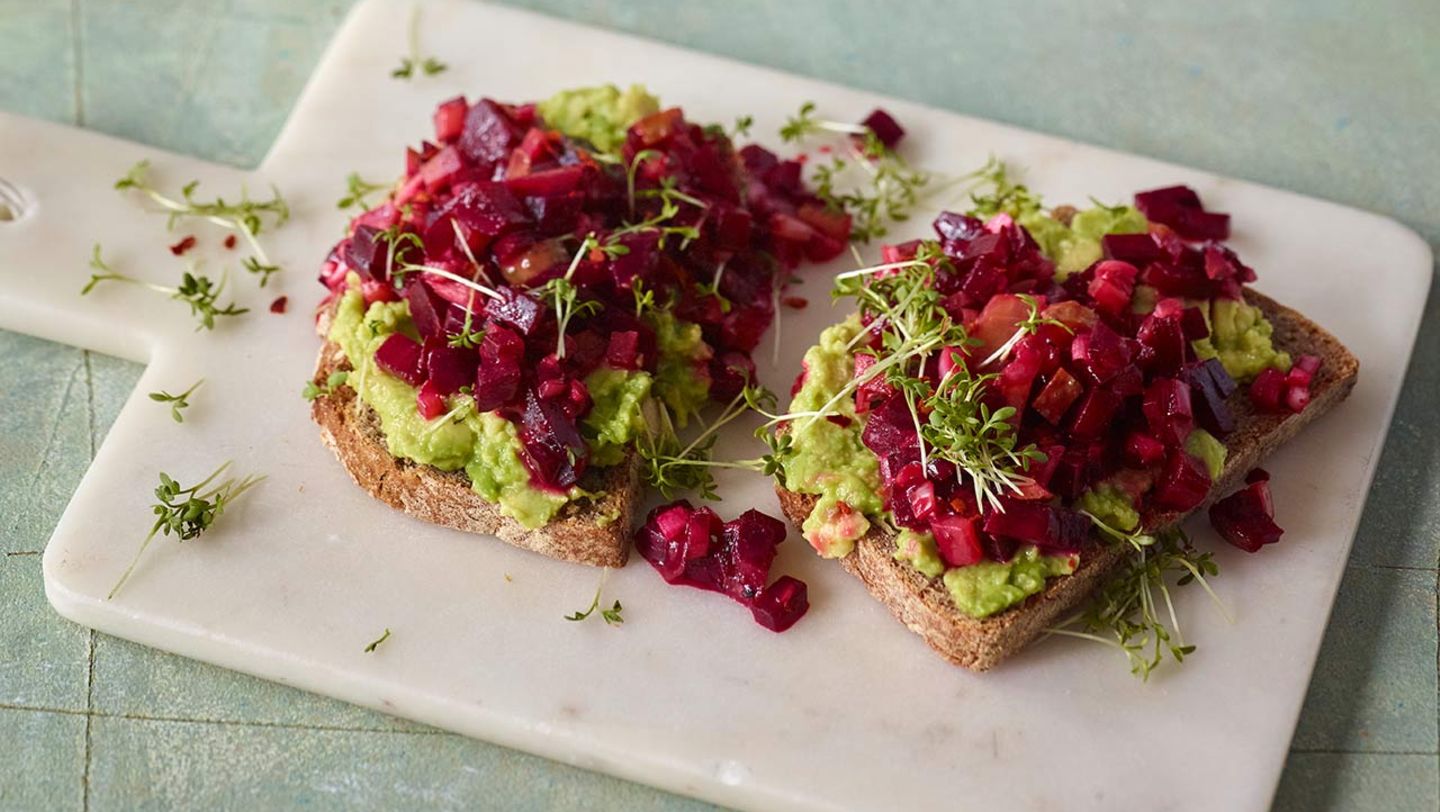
[[1137, 249], [514, 308], [497, 377], [750, 541], [365, 253], [954, 226], [450, 119], [1168, 411], [448, 368], [1163, 346], [996, 324], [922, 499], [1091, 418], [1113, 285], [1142, 450], [958, 540], [623, 351], [1257, 475], [655, 129], [1267, 390], [487, 208], [1056, 398], [890, 427], [550, 444], [1297, 398], [549, 184], [1246, 518], [429, 401], [488, 134], [400, 356], [1179, 208], [781, 604], [426, 308], [886, 129], [1210, 385], [730, 226], [876, 389], [1072, 314], [1100, 352], [731, 372], [1046, 526], [1017, 377], [440, 171], [1183, 484]]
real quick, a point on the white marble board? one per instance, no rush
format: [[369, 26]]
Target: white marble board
[[847, 710]]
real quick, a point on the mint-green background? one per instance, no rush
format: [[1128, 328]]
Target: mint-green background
[[1335, 99]]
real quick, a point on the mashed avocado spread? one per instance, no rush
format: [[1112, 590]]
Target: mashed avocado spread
[[1240, 338], [681, 379], [600, 115], [484, 445], [981, 590], [829, 460], [1076, 246], [1110, 505]]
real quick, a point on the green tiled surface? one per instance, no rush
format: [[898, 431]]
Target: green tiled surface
[[44, 760], [1282, 93]]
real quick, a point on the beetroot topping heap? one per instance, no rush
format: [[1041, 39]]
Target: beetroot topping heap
[[569, 274], [1030, 376]]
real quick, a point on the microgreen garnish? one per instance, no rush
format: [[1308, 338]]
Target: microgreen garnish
[[374, 644], [332, 382], [611, 616], [1005, 195], [742, 126], [952, 420], [356, 190], [468, 338], [891, 189], [565, 295], [197, 291], [1127, 614], [188, 512], [644, 299], [179, 402], [427, 65], [245, 217], [673, 466]]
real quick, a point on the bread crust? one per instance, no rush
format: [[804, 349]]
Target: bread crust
[[578, 533], [925, 607]]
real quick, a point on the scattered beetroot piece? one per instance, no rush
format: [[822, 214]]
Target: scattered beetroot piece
[[1246, 518], [230, 242], [278, 306], [887, 130], [691, 546], [1179, 208], [795, 302], [185, 244]]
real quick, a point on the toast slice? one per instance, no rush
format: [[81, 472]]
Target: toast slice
[[923, 604], [585, 532]]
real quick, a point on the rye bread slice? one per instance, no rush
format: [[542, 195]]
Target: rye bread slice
[[924, 605], [577, 533]]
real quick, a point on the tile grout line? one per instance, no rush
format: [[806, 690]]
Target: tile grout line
[[78, 54], [90, 399], [89, 721], [137, 717]]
